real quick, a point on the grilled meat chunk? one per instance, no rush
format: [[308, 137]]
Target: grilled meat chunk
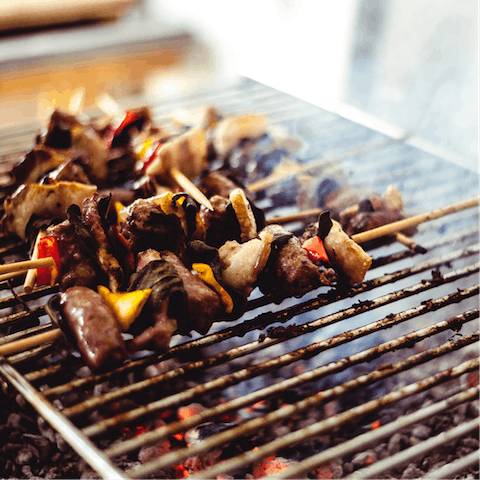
[[94, 327], [166, 308], [242, 263], [78, 267], [148, 226], [97, 225], [46, 201], [204, 305], [187, 153], [289, 270]]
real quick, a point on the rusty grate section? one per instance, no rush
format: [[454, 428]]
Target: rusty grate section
[[406, 336]]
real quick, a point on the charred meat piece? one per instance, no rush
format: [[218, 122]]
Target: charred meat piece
[[217, 183], [166, 308], [45, 201], [289, 270], [221, 224], [373, 212], [346, 256], [94, 327], [204, 304], [94, 213], [78, 266], [69, 171], [148, 226], [43, 159]]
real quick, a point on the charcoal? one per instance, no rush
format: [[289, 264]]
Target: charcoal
[[412, 472]]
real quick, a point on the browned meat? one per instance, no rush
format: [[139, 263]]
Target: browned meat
[[94, 327], [242, 263], [187, 153], [289, 270], [147, 226], [70, 171], [221, 224], [166, 310], [204, 304], [96, 226], [45, 201], [78, 267], [40, 160], [216, 183]]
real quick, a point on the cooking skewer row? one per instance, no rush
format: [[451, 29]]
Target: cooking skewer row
[[140, 297], [373, 234]]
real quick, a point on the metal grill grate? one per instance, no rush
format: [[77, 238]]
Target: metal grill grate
[[391, 341]]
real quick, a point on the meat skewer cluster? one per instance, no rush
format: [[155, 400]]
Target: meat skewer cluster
[[133, 256]]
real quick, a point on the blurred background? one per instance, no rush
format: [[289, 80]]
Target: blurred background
[[402, 67]]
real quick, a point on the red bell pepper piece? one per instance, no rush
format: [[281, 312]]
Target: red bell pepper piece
[[48, 247], [129, 118], [315, 249], [150, 159]]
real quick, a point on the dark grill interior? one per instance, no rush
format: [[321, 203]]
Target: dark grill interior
[[303, 380]]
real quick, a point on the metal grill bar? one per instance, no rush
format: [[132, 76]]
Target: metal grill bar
[[418, 450], [91, 404], [281, 386], [309, 402], [368, 439], [81, 444]]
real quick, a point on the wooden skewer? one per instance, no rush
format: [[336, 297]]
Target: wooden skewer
[[110, 107], [8, 276], [32, 273], [413, 221], [408, 242], [30, 342], [390, 228], [26, 265], [185, 183]]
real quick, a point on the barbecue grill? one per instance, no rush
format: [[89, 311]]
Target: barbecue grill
[[338, 383]]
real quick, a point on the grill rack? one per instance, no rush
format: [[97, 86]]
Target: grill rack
[[326, 321]]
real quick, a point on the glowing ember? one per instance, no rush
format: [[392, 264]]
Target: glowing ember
[[131, 432], [324, 472], [269, 466], [375, 424], [189, 410], [178, 436], [256, 405]]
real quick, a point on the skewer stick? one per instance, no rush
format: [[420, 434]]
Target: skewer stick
[[185, 183], [8, 276], [110, 107], [408, 242], [413, 221], [26, 265], [32, 273], [390, 228], [23, 344]]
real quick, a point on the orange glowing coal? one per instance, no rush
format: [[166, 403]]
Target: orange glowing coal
[[375, 424], [323, 471], [269, 466], [189, 410]]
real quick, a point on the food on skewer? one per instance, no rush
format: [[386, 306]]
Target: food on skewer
[[342, 251], [199, 266], [290, 270], [94, 327], [44, 201]]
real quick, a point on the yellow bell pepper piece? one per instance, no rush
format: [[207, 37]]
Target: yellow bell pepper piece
[[125, 305], [205, 272]]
